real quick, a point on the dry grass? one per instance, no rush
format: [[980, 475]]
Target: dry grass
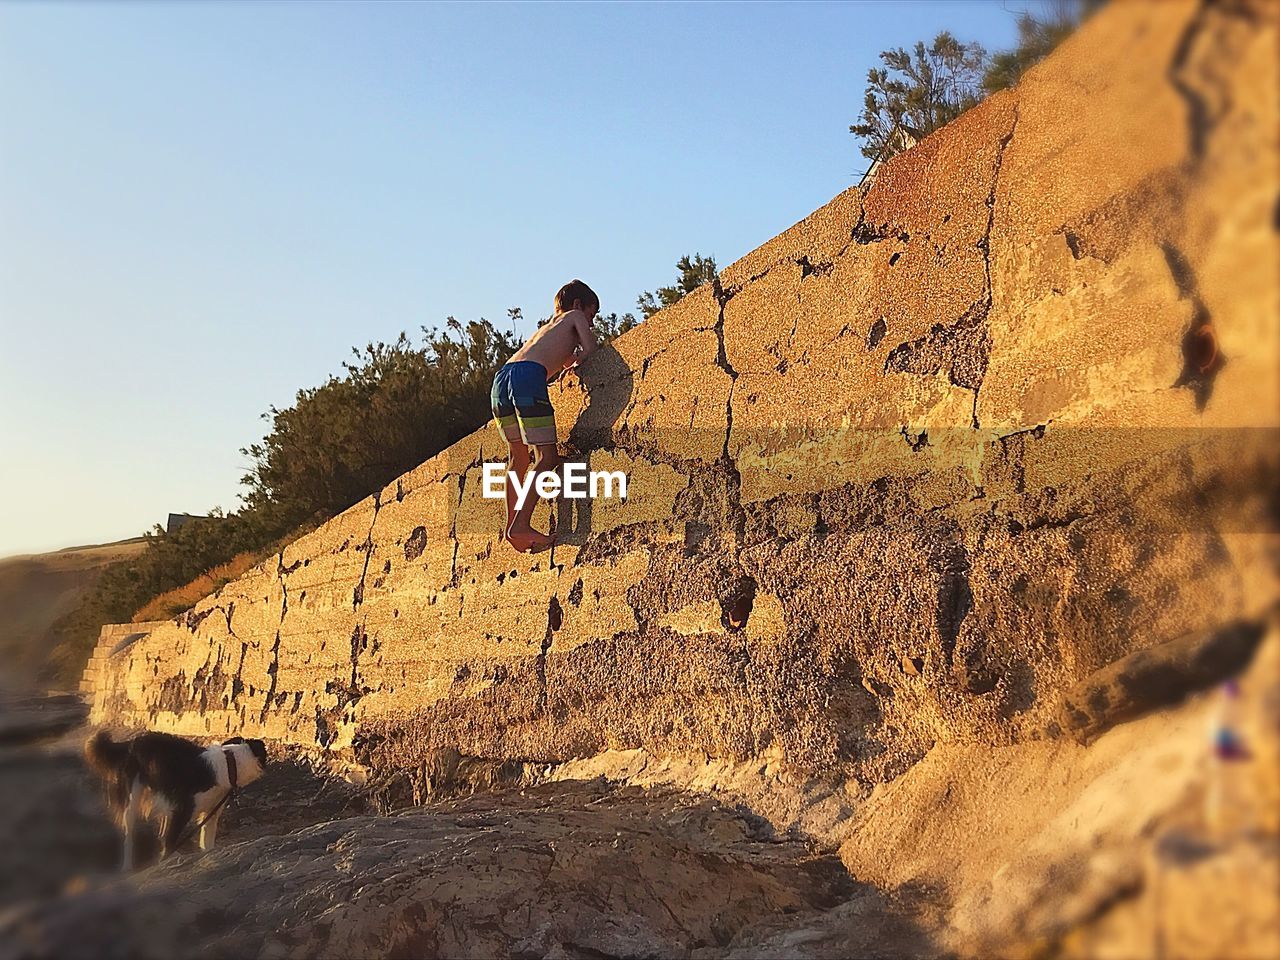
[[182, 598]]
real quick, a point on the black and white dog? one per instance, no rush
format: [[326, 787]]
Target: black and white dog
[[160, 776]]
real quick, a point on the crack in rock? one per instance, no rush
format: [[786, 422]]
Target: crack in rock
[[357, 596], [722, 361], [273, 670], [962, 348], [1203, 113]]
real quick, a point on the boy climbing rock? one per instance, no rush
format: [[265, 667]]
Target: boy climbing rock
[[522, 406]]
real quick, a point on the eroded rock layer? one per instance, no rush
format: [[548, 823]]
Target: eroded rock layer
[[907, 474]]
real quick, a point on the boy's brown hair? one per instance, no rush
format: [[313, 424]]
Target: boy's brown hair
[[576, 291]]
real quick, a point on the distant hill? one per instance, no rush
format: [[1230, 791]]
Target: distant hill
[[37, 589]]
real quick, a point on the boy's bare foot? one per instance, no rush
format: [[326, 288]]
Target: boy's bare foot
[[527, 540]]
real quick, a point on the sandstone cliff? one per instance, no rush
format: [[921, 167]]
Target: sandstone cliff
[[939, 472], [943, 450]]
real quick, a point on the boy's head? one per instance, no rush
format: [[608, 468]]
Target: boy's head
[[576, 295]]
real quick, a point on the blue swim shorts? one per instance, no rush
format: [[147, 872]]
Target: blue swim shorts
[[521, 404]]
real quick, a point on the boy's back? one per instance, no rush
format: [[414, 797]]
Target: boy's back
[[553, 345]]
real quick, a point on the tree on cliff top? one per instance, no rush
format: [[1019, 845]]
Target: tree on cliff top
[[694, 271], [395, 407], [917, 92], [1038, 36], [608, 326]]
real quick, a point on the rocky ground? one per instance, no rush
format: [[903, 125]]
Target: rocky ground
[[305, 868], [56, 831], [571, 869], [53, 823]]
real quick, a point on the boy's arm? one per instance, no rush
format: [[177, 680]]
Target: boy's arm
[[587, 336], [587, 345]]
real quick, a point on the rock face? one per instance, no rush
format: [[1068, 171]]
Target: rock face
[[903, 475], [933, 499]]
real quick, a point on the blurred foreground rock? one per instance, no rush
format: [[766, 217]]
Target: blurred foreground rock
[[570, 870]]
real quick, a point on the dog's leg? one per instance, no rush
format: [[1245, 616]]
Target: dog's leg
[[129, 819], [209, 832], [177, 823]]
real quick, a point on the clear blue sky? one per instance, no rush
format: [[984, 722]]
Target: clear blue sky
[[204, 206]]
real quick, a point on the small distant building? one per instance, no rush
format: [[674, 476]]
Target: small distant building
[[902, 138], [177, 520]]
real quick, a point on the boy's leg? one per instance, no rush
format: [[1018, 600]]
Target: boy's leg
[[518, 463], [503, 406], [537, 422], [521, 534], [505, 417]]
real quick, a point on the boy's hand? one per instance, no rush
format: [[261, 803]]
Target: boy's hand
[[561, 372], [570, 364]]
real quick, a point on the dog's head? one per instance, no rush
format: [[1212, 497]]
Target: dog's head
[[257, 747]]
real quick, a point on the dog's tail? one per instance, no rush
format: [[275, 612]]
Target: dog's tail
[[106, 756]]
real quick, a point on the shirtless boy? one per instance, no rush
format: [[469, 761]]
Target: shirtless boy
[[522, 406]]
